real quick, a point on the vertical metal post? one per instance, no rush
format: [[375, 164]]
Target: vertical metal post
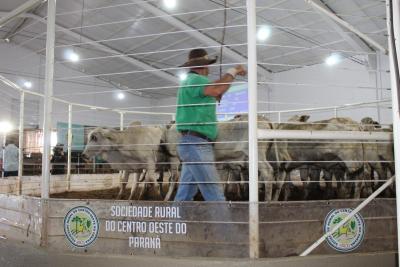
[[121, 121], [393, 25], [253, 147], [121, 128], [48, 94], [279, 117], [21, 141], [69, 146], [335, 110], [378, 83], [4, 153]]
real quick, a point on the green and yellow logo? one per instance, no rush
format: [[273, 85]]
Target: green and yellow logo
[[349, 236], [81, 226]]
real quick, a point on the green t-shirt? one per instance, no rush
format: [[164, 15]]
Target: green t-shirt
[[195, 111]]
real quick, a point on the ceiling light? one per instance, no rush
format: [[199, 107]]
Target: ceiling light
[[120, 96], [71, 56], [182, 76], [170, 4], [74, 57], [263, 33], [28, 84], [5, 127], [333, 59]]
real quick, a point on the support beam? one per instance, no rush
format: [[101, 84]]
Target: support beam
[[229, 22], [18, 11], [358, 46], [253, 146], [3, 151], [324, 135], [191, 20], [108, 49], [48, 98], [346, 25], [393, 27], [16, 28], [21, 141], [200, 36], [69, 146], [121, 128]]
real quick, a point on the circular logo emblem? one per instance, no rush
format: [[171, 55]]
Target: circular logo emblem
[[350, 235], [81, 226]]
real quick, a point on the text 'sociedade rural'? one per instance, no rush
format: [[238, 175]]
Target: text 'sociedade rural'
[[145, 224]]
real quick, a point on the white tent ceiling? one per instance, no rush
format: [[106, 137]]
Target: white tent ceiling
[[124, 33]]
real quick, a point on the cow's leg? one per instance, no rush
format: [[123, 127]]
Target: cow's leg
[[343, 188], [231, 177], [357, 185], [287, 192], [141, 185], [314, 186], [367, 184], [227, 185], [353, 188], [238, 183], [122, 183], [224, 175], [279, 178], [173, 179], [152, 180], [160, 182], [304, 174], [267, 176], [328, 184], [134, 184], [234, 188], [361, 174], [244, 178], [382, 171], [166, 183]]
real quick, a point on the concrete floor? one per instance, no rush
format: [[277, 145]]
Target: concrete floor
[[17, 254]]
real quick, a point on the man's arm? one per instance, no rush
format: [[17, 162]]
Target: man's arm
[[219, 87]]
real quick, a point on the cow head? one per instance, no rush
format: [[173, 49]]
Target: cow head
[[100, 140], [299, 118], [369, 124]]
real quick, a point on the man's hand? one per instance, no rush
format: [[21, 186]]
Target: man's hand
[[237, 70], [219, 87], [240, 70]]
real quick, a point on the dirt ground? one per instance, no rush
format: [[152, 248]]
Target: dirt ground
[[19, 254], [95, 194], [101, 194]]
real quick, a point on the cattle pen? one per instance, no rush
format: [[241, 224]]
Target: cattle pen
[[307, 147]]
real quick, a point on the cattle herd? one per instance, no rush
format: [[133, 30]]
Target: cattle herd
[[288, 169]]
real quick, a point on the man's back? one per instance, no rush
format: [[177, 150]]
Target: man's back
[[195, 111]]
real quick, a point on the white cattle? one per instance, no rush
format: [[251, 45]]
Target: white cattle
[[136, 149], [232, 148]]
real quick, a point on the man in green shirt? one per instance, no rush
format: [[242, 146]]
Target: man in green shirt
[[197, 122]]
